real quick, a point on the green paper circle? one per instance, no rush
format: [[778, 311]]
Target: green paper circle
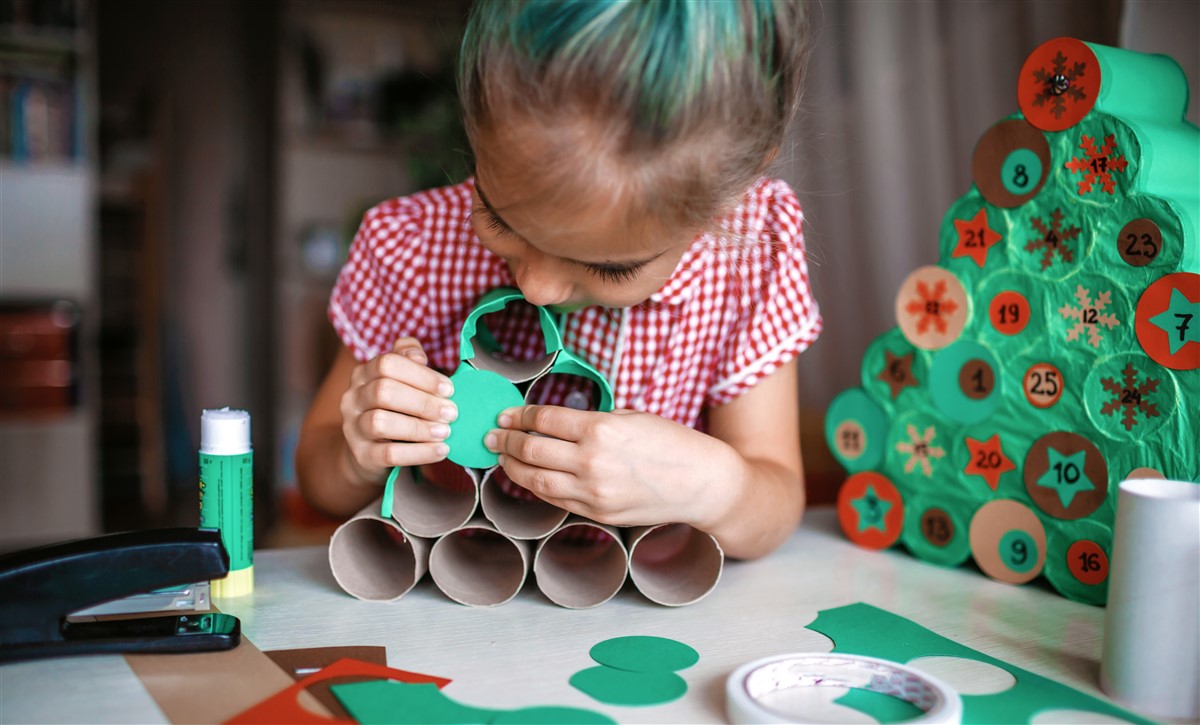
[[1051, 237], [905, 376], [1105, 390], [946, 388], [552, 715], [1058, 571], [920, 542], [1021, 165], [644, 654], [854, 406], [618, 687], [481, 395], [1006, 550]]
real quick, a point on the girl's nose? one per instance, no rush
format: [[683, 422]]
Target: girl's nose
[[541, 283]]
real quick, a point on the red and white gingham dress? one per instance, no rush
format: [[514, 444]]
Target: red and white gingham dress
[[736, 308]]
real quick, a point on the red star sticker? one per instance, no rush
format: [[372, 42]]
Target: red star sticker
[[975, 238], [988, 460]]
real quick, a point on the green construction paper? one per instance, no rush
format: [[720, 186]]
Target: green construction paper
[[949, 524], [495, 301], [1021, 171], [389, 494], [644, 654], [855, 405], [386, 702], [552, 715], [947, 385], [568, 364], [1140, 85], [618, 687], [881, 706], [1130, 397], [481, 395], [921, 449], [866, 630]]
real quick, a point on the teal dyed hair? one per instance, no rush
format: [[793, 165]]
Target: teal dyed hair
[[691, 98]]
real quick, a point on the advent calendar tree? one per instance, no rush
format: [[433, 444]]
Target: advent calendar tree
[[1055, 349]]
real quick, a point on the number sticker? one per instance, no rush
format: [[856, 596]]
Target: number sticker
[[1018, 551], [1009, 162], [1043, 385], [937, 526], [1009, 312], [1008, 541], [1140, 242], [977, 379], [1066, 475], [1088, 562], [850, 439], [1166, 323]]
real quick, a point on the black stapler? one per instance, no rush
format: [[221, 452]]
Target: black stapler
[[40, 587]]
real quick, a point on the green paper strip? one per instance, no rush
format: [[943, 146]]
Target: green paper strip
[[389, 494], [386, 702], [644, 654], [552, 715], [1140, 85], [617, 687], [883, 707], [495, 301], [866, 630], [567, 363]]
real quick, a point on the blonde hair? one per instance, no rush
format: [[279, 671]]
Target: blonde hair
[[686, 100]]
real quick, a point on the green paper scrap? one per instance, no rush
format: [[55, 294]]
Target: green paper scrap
[[386, 702], [644, 654], [883, 707], [389, 494], [618, 687], [551, 715], [866, 630]]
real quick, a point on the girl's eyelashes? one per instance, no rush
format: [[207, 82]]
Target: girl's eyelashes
[[493, 222], [615, 275]]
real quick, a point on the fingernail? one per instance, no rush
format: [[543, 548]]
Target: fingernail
[[449, 412], [490, 441], [414, 354], [504, 420], [440, 431], [442, 449], [445, 389]]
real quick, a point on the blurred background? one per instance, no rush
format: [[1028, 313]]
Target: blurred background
[[180, 181]]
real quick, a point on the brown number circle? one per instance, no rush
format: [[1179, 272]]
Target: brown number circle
[[1066, 475], [937, 527], [976, 379], [994, 147], [1140, 242]]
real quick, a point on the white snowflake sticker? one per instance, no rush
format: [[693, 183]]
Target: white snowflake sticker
[[1089, 316]]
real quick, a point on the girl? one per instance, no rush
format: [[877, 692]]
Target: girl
[[619, 149]]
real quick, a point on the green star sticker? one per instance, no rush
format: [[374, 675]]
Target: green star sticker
[[1065, 475], [1181, 320], [871, 510]]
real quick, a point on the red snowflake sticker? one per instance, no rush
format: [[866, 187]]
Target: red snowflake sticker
[[1131, 397], [1058, 84], [1053, 240], [931, 307], [1099, 165]]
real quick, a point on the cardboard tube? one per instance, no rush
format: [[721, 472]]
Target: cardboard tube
[[1151, 658], [435, 499], [674, 564], [478, 566], [520, 518], [373, 558], [576, 569]]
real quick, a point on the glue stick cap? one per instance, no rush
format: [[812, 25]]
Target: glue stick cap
[[224, 431]]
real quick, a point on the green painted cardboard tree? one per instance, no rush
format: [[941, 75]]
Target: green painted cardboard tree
[[1054, 351]]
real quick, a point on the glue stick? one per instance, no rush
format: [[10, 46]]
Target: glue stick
[[227, 494]]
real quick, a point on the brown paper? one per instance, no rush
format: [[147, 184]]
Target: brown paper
[[300, 663], [674, 564], [426, 509], [211, 687], [515, 517], [373, 558], [580, 574], [478, 566]]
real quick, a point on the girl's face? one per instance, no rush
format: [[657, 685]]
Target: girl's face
[[566, 256]]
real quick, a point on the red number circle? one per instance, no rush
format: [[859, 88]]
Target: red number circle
[[1088, 562], [1009, 312]]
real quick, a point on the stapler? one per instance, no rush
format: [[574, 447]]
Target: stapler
[[40, 587]]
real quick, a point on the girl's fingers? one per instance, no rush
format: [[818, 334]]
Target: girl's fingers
[[387, 394], [385, 425], [538, 451], [390, 455], [565, 424], [413, 372], [554, 487]]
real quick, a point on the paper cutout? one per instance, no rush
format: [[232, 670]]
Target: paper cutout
[[856, 428], [552, 716], [1066, 475], [1098, 165], [1053, 239], [644, 654], [920, 449], [881, 706], [870, 510], [1058, 84], [480, 395], [1177, 321], [975, 237], [1008, 541], [931, 308], [1168, 321], [897, 372], [1089, 314], [618, 687], [1140, 242], [963, 382], [866, 630], [1043, 385], [382, 702], [1010, 163], [284, 707], [300, 663], [987, 460], [1009, 312]]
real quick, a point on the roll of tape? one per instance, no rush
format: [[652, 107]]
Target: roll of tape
[[750, 688]]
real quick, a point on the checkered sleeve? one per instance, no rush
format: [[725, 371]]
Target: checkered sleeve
[[378, 296], [780, 318]]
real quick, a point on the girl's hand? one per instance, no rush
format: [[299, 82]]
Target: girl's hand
[[621, 468], [396, 411]]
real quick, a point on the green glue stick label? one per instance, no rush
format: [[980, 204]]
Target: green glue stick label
[[227, 504]]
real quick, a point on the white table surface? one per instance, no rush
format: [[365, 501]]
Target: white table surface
[[522, 653]]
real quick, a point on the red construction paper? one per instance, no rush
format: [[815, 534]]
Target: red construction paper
[[282, 707]]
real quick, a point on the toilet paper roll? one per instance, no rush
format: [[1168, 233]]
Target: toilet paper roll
[[373, 558], [673, 564], [583, 564], [478, 566]]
